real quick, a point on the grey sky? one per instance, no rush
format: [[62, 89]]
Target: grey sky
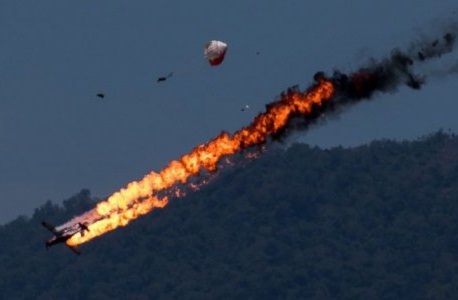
[[57, 137]]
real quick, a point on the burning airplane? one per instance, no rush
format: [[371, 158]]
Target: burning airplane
[[327, 94]]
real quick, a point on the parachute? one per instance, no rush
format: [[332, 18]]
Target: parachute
[[214, 52]]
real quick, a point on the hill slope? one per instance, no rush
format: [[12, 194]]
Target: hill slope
[[374, 222]]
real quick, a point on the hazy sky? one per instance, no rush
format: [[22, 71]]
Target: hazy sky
[[57, 137]]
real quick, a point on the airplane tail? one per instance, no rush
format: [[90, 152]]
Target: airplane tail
[[84, 228]]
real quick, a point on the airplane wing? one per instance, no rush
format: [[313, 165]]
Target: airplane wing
[[49, 226], [74, 249]]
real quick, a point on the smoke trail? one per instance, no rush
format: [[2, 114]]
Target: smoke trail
[[377, 76], [293, 110]]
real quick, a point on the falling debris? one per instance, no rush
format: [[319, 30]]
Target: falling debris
[[164, 78], [295, 109], [101, 95], [421, 57], [245, 108]]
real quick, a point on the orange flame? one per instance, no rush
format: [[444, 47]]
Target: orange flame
[[138, 197]]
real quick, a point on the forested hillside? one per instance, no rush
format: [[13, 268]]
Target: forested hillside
[[378, 221]]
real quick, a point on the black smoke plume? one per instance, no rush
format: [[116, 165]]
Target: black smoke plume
[[385, 75]]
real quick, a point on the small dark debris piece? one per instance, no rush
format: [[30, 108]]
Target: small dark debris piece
[[421, 56], [448, 37], [245, 108], [164, 78], [101, 95]]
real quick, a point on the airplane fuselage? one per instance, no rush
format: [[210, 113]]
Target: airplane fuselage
[[62, 236]]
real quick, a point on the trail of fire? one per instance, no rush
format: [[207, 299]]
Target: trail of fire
[[328, 94], [138, 197]]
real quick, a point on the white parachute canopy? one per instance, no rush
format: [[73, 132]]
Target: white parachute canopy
[[214, 52]]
